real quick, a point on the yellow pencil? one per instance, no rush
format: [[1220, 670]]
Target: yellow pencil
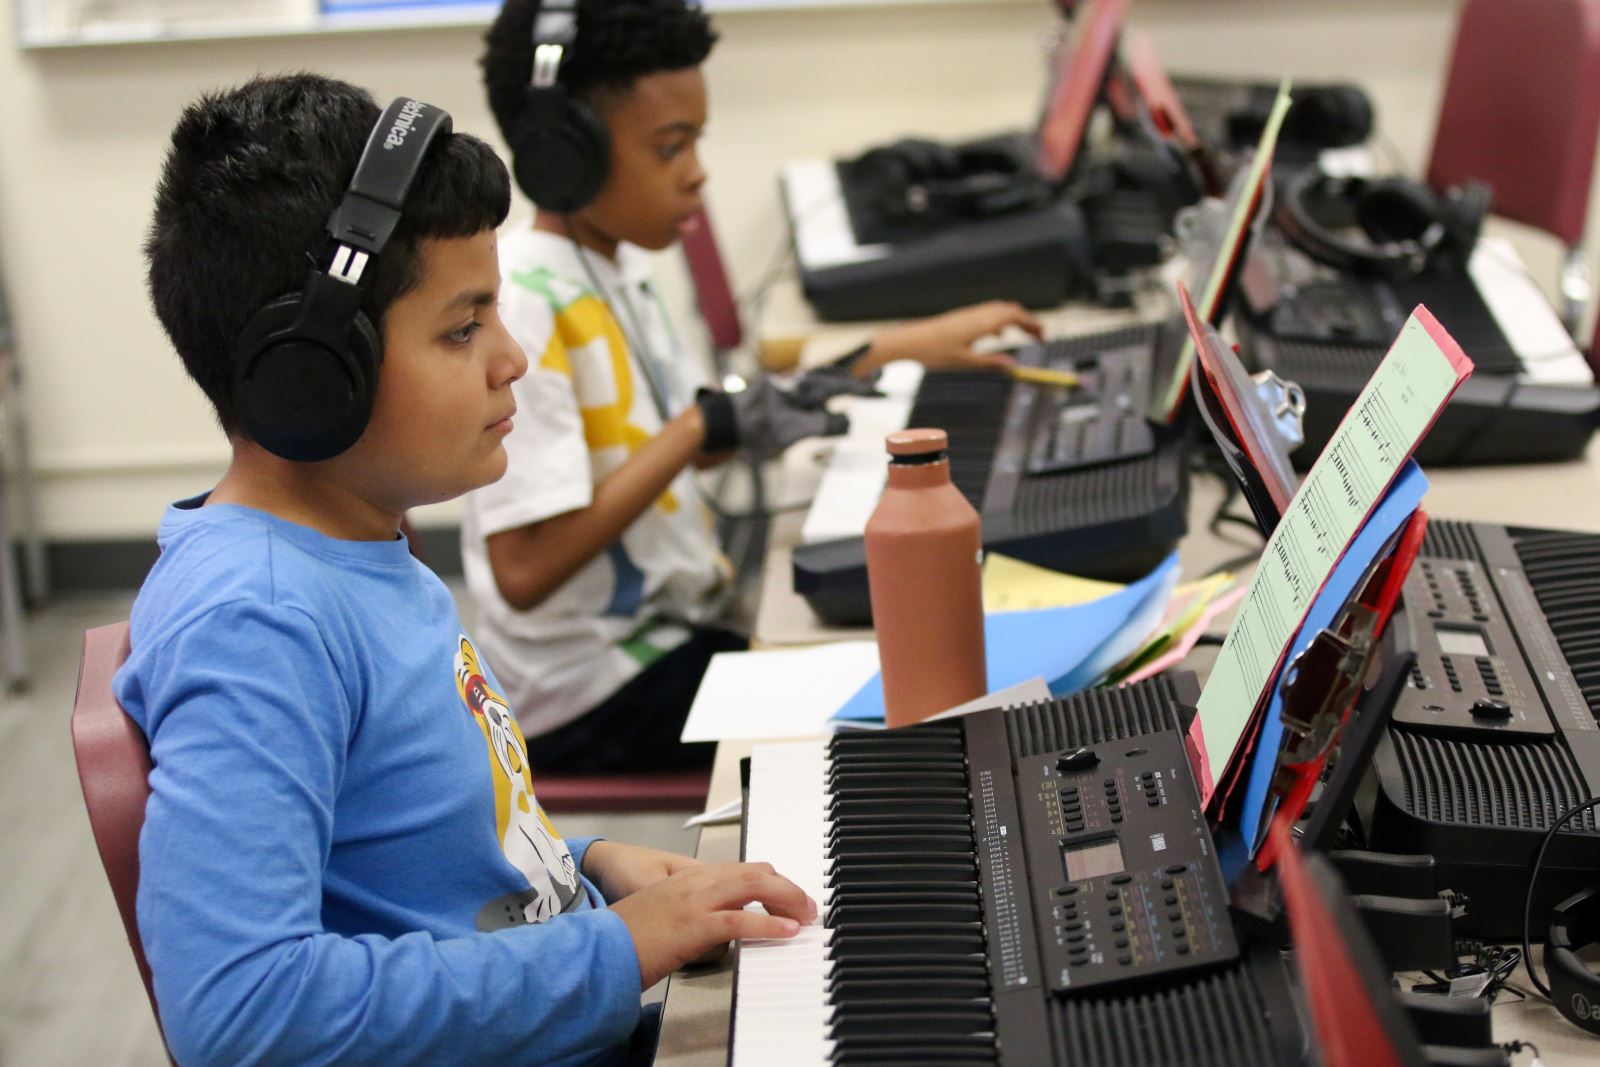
[[1044, 376]]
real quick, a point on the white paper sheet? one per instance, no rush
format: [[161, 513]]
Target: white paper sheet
[[788, 692]]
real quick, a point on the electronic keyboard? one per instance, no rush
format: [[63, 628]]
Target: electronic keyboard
[[1533, 401], [1078, 480], [1021, 887], [1495, 734]]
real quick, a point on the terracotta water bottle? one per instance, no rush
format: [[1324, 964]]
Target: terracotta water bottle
[[924, 570]]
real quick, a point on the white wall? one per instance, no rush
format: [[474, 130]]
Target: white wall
[[118, 430]]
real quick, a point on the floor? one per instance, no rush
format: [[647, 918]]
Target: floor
[[69, 993]]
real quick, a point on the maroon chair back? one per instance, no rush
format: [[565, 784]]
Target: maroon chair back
[[1592, 356], [1521, 110], [712, 292], [114, 770]]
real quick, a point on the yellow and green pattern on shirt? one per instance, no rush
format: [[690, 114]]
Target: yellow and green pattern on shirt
[[589, 348]]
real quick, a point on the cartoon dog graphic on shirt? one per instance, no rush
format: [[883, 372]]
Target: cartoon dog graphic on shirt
[[529, 841]]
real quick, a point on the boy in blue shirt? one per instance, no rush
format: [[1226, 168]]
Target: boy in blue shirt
[[343, 857], [600, 591]]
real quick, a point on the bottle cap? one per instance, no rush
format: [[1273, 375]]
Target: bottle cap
[[916, 442]]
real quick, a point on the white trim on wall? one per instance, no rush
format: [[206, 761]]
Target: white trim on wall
[[41, 24]]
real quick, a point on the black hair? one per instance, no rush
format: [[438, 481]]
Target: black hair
[[618, 42], [241, 212]]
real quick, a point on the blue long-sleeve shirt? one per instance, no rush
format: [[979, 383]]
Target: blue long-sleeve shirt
[[342, 859]]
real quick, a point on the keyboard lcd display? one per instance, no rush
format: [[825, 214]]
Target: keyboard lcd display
[[1454, 642], [1093, 861]]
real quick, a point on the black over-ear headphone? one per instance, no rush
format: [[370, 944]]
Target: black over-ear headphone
[[305, 368], [560, 149], [917, 180], [1574, 988], [1391, 226]]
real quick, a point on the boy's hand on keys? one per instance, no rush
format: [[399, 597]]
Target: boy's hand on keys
[[948, 341], [679, 918], [621, 870]]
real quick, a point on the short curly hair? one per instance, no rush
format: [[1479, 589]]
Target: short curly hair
[[618, 42], [241, 212]]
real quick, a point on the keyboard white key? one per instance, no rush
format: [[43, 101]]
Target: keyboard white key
[[780, 1009]]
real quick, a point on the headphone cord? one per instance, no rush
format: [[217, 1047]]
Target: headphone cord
[[1527, 906], [632, 331]]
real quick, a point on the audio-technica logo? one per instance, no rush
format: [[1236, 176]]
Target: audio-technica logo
[[409, 112]]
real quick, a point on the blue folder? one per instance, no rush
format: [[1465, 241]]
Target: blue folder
[[1051, 643]]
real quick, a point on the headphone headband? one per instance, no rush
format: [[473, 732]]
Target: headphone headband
[[367, 215], [555, 27]]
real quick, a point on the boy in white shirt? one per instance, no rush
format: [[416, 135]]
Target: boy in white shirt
[[592, 561]]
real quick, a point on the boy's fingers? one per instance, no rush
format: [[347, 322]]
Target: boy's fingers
[[1019, 316], [758, 883], [738, 925]]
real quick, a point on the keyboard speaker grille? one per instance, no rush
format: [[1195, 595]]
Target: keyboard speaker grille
[[1090, 717], [1513, 786], [970, 408], [1107, 493], [1446, 539], [1216, 1021], [1564, 570]]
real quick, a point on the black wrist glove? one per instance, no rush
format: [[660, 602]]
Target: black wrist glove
[[763, 419], [815, 387]]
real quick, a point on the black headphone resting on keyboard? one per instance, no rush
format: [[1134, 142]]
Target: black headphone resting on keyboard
[[1391, 226], [917, 180], [305, 367]]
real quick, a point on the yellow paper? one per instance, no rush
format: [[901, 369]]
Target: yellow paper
[[1012, 585]]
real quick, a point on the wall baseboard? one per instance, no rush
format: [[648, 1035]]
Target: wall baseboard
[[106, 565]]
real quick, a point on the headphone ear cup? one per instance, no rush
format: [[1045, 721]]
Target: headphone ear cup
[[561, 152], [1393, 211], [1462, 209], [297, 395], [1574, 988]]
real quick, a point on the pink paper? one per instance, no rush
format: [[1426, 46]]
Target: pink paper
[[1196, 741]]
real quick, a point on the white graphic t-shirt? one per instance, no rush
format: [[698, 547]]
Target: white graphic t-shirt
[[590, 399]]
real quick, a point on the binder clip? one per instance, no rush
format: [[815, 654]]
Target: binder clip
[[1320, 687]]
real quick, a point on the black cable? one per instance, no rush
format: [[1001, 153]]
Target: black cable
[[1222, 517], [638, 342], [1397, 159], [752, 302], [1501, 964], [1511, 1048], [1527, 906], [633, 333]]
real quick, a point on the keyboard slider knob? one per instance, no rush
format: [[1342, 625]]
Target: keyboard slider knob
[[1489, 708], [1079, 759]]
